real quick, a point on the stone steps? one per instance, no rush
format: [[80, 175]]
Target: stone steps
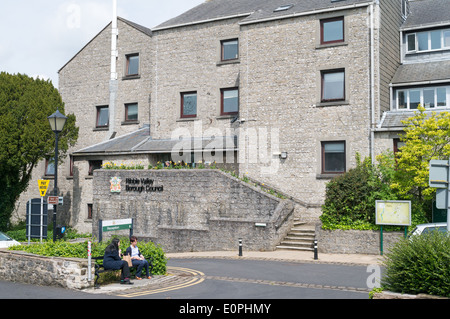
[[300, 237]]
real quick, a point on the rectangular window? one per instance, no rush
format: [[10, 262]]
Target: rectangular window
[[333, 85], [89, 207], [428, 97], [132, 65], [401, 100], [411, 39], [230, 49], [422, 41], [131, 112], [333, 157], [441, 95], [93, 165], [50, 166], [102, 116], [229, 101], [188, 104], [446, 35], [435, 39], [332, 30]]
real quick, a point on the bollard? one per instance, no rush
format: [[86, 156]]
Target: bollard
[[89, 261], [315, 249], [240, 247]]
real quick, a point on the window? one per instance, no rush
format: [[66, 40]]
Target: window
[[229, 101], [50, 166], [188, 104], [131, 112], [132, 65], [230, 49], [283, 7], [333, 157], [332, 30], [428, 41], [428, 97], [102, 116], [333, 85], [89, 207], [93, 165]]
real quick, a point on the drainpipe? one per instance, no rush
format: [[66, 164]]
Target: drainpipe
[[372, 84], [113, 83]]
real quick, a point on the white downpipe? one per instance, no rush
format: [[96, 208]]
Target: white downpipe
[[113, 79], [372, 85], [114, 34]]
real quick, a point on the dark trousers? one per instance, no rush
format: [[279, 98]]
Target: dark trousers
[[140, 264], [125, 270]]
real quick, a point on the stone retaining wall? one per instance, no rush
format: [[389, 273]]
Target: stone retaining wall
[[192, 210], [354, 241], [18, 266]]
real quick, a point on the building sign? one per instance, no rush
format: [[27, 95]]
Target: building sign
[[135, 185], [117, 224], [115, 184], [393, 213]]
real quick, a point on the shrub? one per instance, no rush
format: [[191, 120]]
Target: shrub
[[79, 250], [420, 264], [350, 197]]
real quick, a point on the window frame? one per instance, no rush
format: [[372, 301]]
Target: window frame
[[328, 20], [322, 88], [98, 109], [421, 89], [222, 50], [416, 34], [93, 165], [182, 94], [323, 158], [127, 67], [222, 111], [127, 119], [48, 161]]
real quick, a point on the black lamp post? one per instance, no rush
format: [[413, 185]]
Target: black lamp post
[[57, 121]]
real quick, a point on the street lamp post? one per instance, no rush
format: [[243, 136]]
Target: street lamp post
[[57, 121]]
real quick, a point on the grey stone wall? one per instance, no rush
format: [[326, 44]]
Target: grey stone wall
[[197, 210], [354, 241], [27, 268]]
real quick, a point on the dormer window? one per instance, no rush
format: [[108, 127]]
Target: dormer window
[[428, 41]]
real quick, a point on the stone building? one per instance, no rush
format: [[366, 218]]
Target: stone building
[[283, 93]]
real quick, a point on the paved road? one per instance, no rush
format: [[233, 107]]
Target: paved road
[[223, 279]]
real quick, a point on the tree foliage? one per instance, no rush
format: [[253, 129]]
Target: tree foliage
[[426, 137], [25, 134]]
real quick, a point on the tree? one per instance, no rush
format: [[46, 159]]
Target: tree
[[426, 137], [25, 134]]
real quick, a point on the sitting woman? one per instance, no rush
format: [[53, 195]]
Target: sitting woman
[[137, 259], [112, 260]]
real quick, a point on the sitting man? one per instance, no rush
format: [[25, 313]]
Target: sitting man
[[137, 259]]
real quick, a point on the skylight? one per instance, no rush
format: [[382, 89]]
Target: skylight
[[283, 7]]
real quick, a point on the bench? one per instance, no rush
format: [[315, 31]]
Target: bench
[[98, 268]]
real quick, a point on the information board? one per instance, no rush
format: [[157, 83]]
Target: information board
[[393, 213]]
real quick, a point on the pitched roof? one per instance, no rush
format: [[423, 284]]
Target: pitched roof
[[427, 13], [253, 10], [422, 72], [140, 141]]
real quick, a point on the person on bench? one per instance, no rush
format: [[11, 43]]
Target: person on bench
[[112, 260], [137, 259]]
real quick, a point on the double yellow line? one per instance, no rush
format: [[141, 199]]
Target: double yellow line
[[191, 282]]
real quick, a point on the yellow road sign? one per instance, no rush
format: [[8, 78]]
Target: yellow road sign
[[43, 186]]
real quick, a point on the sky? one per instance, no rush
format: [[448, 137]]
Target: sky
[[38, 37]]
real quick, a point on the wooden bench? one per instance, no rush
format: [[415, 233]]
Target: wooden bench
[[98, 268]]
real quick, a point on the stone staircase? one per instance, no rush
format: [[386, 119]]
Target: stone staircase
[[300, 237]]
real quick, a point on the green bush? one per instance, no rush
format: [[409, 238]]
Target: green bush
[[79, 250], [350, 197], [420, 264]]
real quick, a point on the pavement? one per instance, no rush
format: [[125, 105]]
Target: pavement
[[177, 276]]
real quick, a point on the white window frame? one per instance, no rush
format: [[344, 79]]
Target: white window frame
[[421, 89], [416, 43]]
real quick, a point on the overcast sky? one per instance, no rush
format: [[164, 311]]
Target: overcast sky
[[37, 37]]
